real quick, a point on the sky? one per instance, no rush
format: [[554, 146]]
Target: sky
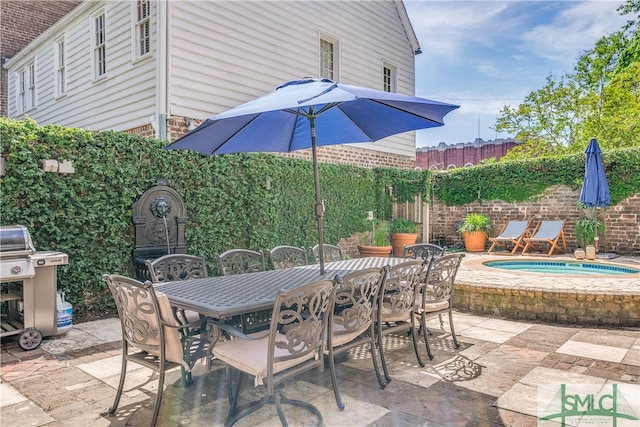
[[483, 55]]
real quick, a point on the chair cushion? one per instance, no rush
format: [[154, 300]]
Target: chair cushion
[[342, 336], [250, 356], [172, 343], [192, 316], [431, 305]]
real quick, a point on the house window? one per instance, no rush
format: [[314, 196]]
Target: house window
[[22, 91], [142, 27], [389, 78], [26, 98], [328, 63], [61, 72], [99, 46], [31, 89]]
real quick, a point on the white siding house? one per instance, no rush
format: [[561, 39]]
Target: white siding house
[[125, 65]]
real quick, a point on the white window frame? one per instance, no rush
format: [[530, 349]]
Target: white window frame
[[99, 44], [60, 59], [389, 77], [26, 88], [141, 17], [31, 89], [328, 64], [21, 90]]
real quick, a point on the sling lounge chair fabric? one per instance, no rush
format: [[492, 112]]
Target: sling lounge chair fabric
[[547, 233], [513, 234]]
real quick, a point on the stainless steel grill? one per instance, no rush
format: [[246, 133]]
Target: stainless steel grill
[[28, 287]]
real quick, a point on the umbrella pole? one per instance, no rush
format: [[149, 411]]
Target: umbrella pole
[[319, 204], [596, 239]]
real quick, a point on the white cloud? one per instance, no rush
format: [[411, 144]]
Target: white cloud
[[446, 28], [483, 55], [573, 31]]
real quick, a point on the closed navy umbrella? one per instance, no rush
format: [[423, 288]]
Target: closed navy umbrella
[[595, 188], [309, 113]]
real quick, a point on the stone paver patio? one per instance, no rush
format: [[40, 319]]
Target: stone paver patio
[[493, 379]]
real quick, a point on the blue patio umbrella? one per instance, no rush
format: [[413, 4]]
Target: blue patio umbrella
[[309, 113], [595, 188]]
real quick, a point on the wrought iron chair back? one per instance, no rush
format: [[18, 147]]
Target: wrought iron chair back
[[287, 256], [151, 335], [396, 307], [239, 261], [178, 267], [331, 253], [436, 292], [292, 345], [174, 267], [423, 251], [353, 318]]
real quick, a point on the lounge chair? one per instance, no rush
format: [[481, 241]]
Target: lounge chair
[[547, 232], [511, 235]]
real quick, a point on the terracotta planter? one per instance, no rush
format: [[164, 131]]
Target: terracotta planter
[[374, 251], [399, 240], [474, 241]]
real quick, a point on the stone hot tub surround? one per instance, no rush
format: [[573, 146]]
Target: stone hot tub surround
[[595, 300]]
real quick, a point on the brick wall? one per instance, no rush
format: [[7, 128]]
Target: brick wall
[[20, 23], [622, 221], [583, 307], [344, 154], [446, 156]]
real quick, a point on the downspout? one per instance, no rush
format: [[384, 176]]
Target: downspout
[[162, 70]]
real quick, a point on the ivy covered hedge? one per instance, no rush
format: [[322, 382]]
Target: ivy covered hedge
[[88, 214], [522, 180]]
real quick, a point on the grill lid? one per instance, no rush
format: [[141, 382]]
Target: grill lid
[[15, 240]]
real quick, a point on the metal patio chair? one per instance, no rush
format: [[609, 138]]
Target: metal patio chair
[[435, 294], [396, 305], [331, 253], [352, 322], [151, 335], [238, 261], [178, 267], [292, 345], [287, 256], [423, 251]]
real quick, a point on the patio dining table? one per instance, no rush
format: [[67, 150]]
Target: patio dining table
[[250, 297]]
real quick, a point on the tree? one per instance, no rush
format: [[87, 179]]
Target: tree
[[600, 99], [546, 121]]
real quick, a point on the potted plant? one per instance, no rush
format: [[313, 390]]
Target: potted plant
[[587, 228], [403, 232], [474, 230], [375, 239]]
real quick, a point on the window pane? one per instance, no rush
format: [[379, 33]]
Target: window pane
[[387, 79], [326, 59], [144, 37], [143, 9], [61, 85], [99, 30], [100, 52]]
